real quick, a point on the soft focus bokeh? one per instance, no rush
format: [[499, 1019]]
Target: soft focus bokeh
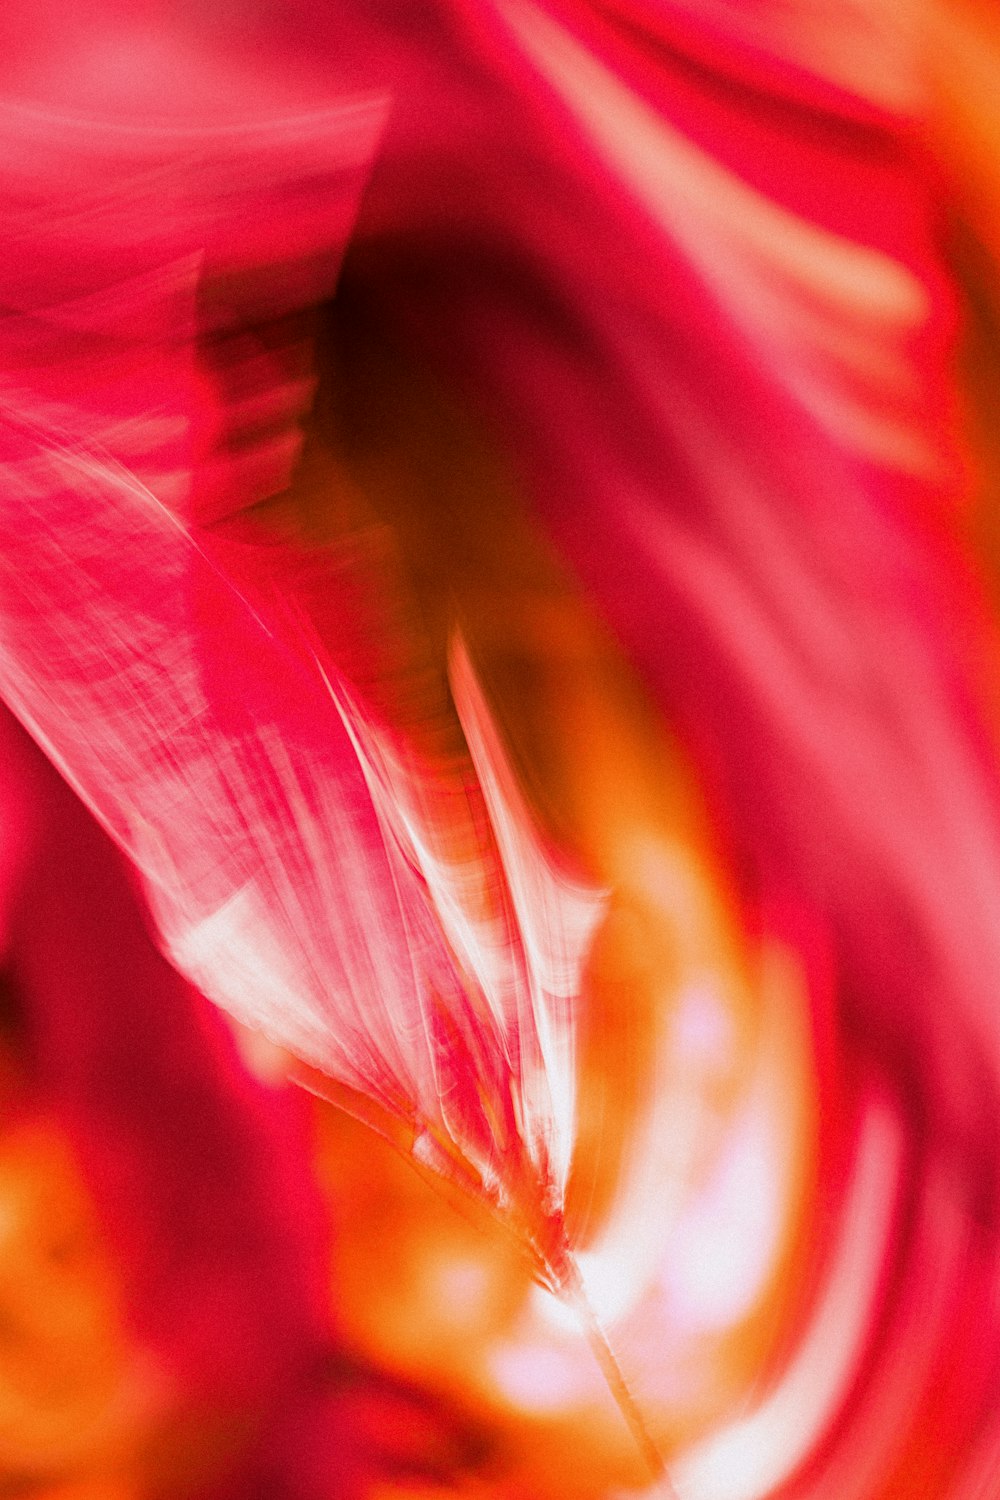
[[499, 750]]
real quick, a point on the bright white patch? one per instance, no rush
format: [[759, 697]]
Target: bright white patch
[[753, 1456], [703, 1029], [538, 1377], [723, 1248], [236, 956]]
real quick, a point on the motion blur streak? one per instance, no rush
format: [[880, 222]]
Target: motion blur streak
[[827, 311], [756, 1454], [494, 524]]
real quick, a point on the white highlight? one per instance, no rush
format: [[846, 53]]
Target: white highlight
[[751, 1457], [831, 315]]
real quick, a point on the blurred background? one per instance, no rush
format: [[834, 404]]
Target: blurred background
[[500, 847]]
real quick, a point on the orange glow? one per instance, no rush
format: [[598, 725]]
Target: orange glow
[[74, 1399], [498, 525]]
